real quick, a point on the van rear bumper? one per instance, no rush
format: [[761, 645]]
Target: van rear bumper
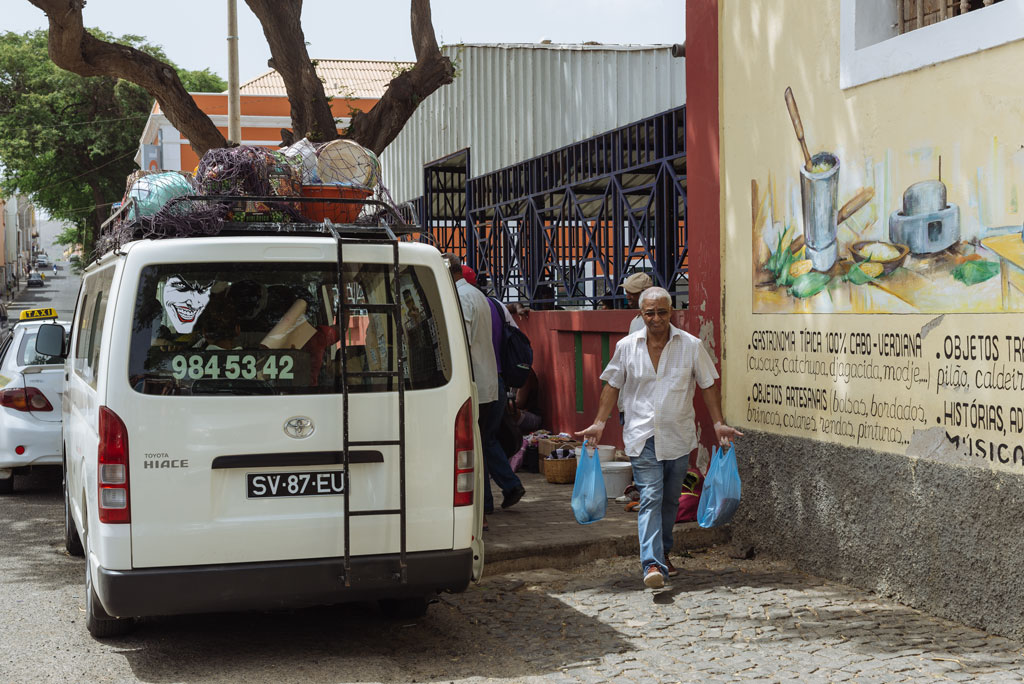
[[279, 584]]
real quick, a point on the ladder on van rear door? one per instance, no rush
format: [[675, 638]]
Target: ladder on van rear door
[[373, 235]]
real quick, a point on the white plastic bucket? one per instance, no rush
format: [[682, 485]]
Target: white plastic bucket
[[617, 476], [605, 452]]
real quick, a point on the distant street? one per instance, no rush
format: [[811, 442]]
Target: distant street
[[59, 291]]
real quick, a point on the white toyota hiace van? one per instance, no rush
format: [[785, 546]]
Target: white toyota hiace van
[[225, 450]]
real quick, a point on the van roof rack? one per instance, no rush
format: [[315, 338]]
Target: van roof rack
[[248, 215]]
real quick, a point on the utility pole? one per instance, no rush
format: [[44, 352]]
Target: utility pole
[[234, 101]]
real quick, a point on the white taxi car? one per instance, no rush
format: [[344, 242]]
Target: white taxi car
[[31, 386]]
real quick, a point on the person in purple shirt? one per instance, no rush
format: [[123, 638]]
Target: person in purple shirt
[[496, 465]]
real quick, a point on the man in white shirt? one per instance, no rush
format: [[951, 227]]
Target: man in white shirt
[[476, 314], [654, 370]]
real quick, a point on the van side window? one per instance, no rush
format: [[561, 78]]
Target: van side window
[[83, 318], [90, 324], [97, 332]]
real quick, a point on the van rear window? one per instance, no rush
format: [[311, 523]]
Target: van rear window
[[259, 328]]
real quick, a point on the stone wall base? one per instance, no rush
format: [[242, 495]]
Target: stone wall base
[[942, 537]]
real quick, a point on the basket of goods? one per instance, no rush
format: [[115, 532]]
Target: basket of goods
[[250, 171], [344, 170], [560, 468]]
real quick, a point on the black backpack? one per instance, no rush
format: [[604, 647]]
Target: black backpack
[[516, 353]]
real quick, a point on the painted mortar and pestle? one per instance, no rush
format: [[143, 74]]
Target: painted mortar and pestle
[[819, 188], [927, 223]]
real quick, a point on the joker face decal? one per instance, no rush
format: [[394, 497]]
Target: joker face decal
[[184, 300]]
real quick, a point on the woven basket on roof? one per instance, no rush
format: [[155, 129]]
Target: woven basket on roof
[[560, 470]]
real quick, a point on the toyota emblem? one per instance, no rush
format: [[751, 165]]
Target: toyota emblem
[[299, 427]]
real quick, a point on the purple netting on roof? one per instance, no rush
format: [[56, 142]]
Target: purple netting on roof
[[164, 205]]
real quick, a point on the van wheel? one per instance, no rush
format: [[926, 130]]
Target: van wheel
[[99, 624], [411, 607], [7, 486], [72, 542]]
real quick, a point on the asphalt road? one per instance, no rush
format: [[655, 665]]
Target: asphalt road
[[59, 291]]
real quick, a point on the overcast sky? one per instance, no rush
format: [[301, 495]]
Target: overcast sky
[[192, 32]]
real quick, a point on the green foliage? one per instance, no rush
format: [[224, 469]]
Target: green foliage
[[204, 81], [66, 141]]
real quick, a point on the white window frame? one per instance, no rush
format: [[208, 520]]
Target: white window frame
[[866, 53]]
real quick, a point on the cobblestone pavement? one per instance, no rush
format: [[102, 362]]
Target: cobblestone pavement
[[725, 621], [721, 620]]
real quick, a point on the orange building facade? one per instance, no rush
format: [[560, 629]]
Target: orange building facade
[[163, 147], [353, 85]]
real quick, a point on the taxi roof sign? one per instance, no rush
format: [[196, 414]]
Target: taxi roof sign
[[36, 314]]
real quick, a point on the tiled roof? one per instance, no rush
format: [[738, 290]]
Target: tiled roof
[[342, 78]]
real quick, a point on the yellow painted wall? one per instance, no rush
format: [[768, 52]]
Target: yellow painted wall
[[872, 363]]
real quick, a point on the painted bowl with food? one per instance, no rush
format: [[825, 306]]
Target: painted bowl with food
[[891, 256]]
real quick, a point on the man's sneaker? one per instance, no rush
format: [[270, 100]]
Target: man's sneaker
[[654, 579], [513, 496], [672, 570]]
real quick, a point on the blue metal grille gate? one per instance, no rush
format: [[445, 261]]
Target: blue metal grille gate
[[568, 226]]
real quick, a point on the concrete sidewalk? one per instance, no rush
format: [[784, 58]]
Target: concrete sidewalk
[[541, 532]]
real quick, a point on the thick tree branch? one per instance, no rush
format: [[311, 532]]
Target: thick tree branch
[[73, 48], [310, 110], [377, 128]]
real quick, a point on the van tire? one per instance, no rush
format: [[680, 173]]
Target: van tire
[[7, 485], [404, 608], [99, 624], [72, 542]]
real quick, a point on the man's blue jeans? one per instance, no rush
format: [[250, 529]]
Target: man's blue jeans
[[660, 484], [496, 463]]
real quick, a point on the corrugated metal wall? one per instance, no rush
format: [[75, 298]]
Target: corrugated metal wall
[[513, 102]]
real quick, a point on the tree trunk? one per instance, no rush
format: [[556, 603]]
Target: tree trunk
[[378, 127], [282, 25], [73, 48]]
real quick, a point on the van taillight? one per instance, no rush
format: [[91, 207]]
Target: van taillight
[[464, 477], [112, 471], [25, 399]]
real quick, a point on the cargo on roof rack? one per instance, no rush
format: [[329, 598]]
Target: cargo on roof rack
[[236, 215]]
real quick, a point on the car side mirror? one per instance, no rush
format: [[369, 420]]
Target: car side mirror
[[50, 340]]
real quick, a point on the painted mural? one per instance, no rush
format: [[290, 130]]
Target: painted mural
[[893, 209], [842, 232]]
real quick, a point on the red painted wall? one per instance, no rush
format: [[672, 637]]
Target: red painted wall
[[552, 333], [703, 184]]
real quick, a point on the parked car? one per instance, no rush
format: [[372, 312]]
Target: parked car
[[42, 262], [35, 279], [30, 400], [204, 433]]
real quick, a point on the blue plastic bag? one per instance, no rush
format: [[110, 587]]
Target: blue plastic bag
[[721, 495], [589, 498]]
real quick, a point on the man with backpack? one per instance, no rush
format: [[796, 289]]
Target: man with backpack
[[478, 319]]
